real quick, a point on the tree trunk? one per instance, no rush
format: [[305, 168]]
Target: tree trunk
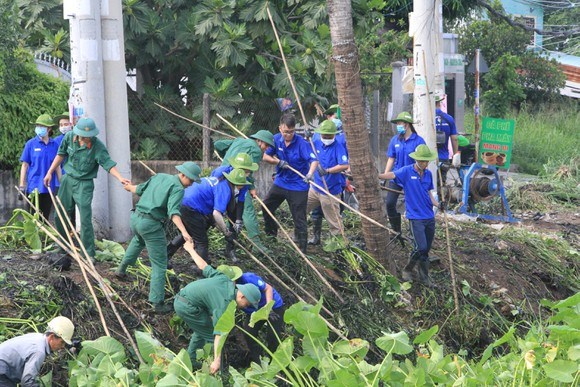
[[349, 88]]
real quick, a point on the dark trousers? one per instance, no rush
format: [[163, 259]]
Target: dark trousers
[[296, 201], [197, 226], [423, 233], [44, 204], [391, 200], [273, 332]]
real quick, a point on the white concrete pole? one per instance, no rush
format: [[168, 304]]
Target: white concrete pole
[[87, 75], [117, 116]]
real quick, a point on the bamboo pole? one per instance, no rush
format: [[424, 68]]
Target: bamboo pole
[[193, 122]]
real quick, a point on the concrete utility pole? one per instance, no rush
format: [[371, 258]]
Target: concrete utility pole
[[117, 115], [90, 92], [425, 26]]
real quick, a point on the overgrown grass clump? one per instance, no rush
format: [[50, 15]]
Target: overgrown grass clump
[[545, 134]]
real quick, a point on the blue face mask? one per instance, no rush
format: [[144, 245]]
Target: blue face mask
[[400, 129], [41, 131]]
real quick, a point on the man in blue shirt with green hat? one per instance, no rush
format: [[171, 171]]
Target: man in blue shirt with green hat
[[417, 181], [204, 205], [290, 151], [201, 304], [332, 161], [82, 152], [161, 198]]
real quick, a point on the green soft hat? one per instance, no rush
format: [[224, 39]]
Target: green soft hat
[[86, 127], [190, 169], [252, 293], [237, 177], [264, 135], [244, 161], [423, 153], [327, 127], [232, 272], [44, 120], [60, 117], [332, 110], [404, 117], [462, 141], [439, 98]]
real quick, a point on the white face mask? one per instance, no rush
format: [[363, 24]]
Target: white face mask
[[236, 192], [327, 142], [65, 129]]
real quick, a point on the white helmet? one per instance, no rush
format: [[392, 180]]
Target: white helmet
[[62, 327]]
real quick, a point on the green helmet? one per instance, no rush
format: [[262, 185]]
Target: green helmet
[[403, 117], [333, 109], [44, 120], [244, 161], [327, 127], [236, 177], [252, 293], [232, 272], [86, 127], [264, 135], [423, 153], [462, 141], [190, 169]]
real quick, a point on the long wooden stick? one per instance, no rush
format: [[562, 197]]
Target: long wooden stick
[[99, 280], [231, 126], [192, 121]]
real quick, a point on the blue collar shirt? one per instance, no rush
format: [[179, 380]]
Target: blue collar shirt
[[444, 123], [252, 278], [299, 155], [208, 195], [39, 156], [400, 148], [328, 157], [418, 203]]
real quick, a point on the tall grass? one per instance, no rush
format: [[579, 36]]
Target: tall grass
[[548, 134]]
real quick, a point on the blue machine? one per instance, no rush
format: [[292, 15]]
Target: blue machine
[[482, 183]]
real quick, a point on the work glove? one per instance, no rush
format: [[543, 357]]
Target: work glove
[[283, 164], [321, 171], [456, 160], [273, 316], [308, 178], [230, 237], [20, 193], [238, 226]]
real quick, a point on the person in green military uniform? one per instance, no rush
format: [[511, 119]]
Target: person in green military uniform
[[201, 304], [161, 198], [83, 153], [255, 146]]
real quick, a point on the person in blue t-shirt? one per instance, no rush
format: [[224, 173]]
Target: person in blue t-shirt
[[417, 182], [275, 319], [445, 129], [332, 161], [37, 156], [401, 145], [290, 151], [204, 205]]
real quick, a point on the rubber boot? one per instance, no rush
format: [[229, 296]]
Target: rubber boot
[[424, 273], [316, 230], [395, 222], [407, 273], [231, 252], [302, 242]]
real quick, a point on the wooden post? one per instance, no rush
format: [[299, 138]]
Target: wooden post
[[206, 135]]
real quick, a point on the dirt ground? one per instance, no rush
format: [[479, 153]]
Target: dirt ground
[[488, 263]]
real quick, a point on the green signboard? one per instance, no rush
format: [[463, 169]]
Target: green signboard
[[495, 146]]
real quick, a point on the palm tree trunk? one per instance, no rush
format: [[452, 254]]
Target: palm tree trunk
[[349, 88]]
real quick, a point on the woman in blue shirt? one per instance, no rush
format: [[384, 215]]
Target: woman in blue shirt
[[37, 156], [400, 147]]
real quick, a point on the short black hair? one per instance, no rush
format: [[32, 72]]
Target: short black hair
[[289, 120]]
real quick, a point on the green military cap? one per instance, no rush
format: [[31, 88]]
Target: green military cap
[[190, 169], [232, 272], [244, 161], [264, 135], [236, 177], [403, 117], [251, 292], [462, 141], [327, 127], [64, 115], [439, 98], [44, 120], [423, 153], [86, 127]]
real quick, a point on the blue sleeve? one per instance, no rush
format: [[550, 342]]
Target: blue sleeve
[[341, 155], [391, 149], [271, 151], [420, 140], [251, 278], [400, 177], [221, 197], [452, 127], [307, 152], [431, 187], [26, 153]]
